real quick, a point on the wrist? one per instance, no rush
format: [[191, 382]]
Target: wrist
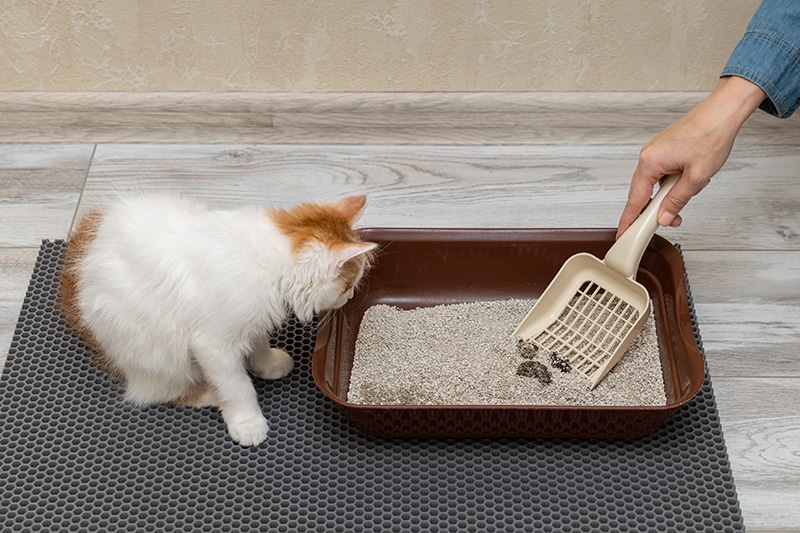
[[739, 97]]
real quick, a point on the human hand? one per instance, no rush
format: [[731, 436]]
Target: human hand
[[696, 147]]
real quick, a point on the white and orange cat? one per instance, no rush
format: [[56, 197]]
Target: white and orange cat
[[179, 300]]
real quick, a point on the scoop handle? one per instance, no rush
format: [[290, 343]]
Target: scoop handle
[[625, 254]]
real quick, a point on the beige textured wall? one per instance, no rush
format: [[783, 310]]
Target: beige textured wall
[[367, 45]]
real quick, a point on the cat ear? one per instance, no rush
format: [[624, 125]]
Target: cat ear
[[351, 207], [342, 253]]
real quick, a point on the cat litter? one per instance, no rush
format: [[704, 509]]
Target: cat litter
[[464, 354]]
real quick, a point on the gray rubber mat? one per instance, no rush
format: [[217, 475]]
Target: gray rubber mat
[[76, 458]]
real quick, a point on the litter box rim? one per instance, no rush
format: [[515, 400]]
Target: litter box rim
[[662, 270]]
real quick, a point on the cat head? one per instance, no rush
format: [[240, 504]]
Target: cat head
[[329, 254]]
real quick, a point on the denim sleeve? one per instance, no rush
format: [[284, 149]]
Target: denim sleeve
[[769, 55]]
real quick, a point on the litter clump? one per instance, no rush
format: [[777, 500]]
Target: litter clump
[[535, 369], [559, 363], [526, 349]]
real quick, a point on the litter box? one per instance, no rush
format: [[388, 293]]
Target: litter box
[[426, 267]]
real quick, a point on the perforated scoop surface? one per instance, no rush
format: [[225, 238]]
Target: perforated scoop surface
[[589, 329], [74, 457]]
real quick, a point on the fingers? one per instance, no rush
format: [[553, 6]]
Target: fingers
[[641, 189], [672, 204], [688, 186], [684, 190]]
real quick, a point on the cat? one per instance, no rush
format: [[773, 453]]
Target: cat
[[178, 300]]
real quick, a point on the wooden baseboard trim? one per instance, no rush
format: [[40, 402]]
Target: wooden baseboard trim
[[345, 118]]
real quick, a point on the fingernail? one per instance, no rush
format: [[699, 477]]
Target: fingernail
[[666, 218]]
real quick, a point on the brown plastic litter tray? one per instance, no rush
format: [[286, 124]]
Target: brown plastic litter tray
[[426, 267]]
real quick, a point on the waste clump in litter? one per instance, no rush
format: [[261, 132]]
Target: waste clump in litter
[[534, 369], [560, 363], [526, 349]]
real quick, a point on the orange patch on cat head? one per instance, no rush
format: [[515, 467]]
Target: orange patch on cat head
[[328, 224]]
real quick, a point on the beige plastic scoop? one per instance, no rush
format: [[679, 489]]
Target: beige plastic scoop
[[592, 310]]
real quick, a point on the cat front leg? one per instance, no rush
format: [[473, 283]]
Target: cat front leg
[[269, 363], [226, 373]]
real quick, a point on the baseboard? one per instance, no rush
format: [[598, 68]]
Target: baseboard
[[344, 118]]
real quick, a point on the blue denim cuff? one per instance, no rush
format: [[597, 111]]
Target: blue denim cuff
[[773, 65]]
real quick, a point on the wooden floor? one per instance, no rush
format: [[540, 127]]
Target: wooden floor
[[546, 162]]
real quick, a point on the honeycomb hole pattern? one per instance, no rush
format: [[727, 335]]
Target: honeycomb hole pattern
[[75, 457]]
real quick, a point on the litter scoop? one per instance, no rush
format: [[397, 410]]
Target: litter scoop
[[592, 310]]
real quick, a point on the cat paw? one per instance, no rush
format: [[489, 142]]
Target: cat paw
[[249, 432], [273, 365]]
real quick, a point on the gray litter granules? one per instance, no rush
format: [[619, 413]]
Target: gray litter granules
[[465, 354]]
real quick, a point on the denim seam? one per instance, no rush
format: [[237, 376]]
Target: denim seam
[[768, 87], [783, 46]]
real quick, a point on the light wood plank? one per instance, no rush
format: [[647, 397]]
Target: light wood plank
[[757, 398], [16, 266], [761, 423], [766, 470], [562, 186], [44, 157], [39, 190], [355, 118], [766, 511], [406, 186], [748, 307]]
